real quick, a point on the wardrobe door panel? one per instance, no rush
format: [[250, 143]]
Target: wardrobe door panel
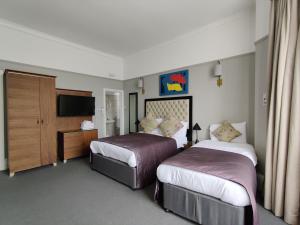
[[48, 120], [23, 121]]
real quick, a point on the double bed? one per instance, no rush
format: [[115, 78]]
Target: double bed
[[123, 154], [205, 196], [133, 159]]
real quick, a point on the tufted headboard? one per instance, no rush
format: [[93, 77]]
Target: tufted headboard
[[180, 107]]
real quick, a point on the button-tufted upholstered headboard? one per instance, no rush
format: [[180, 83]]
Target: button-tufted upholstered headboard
[[179, 107]]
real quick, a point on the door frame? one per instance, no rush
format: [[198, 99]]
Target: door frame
[[121, 92], [136, 111]]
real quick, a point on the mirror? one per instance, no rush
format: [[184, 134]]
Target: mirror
[[133, 112]]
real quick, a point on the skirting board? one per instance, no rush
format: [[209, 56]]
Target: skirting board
[[3, 164]]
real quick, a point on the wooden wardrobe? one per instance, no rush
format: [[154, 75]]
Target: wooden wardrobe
[[31, 120]]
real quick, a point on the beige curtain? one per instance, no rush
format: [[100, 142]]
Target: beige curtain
[[282, 176]]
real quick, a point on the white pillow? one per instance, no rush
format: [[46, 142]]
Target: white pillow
[[241, 127], [159, 120], [157, 131], [182, 132]]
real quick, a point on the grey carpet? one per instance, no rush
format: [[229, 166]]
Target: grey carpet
[[73, 194]]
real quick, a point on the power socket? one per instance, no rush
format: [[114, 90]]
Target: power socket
[[265, 99]]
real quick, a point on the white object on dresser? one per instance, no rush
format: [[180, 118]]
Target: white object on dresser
[[87, 125]]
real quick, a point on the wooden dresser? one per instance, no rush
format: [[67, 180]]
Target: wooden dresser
[[75, 143], [30, 120]]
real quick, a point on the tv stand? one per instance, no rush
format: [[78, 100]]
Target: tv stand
[[75, 143]]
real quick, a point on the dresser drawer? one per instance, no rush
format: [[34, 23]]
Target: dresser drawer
[[73, 144], [73, 140]]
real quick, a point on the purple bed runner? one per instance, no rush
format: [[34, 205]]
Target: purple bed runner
[[149, 150], [227, 165]]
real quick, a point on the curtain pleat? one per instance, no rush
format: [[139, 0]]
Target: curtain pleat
[[292, 195], [282, 176]]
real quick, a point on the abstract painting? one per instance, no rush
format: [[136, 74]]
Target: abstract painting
[[175, 83]]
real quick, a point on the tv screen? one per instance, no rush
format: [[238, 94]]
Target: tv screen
[[70, 105]]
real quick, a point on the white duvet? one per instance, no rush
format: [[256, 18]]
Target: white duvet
[[219, 188], [123, 154]]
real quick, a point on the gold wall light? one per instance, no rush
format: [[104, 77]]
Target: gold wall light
[[140, 85], [218, 71]]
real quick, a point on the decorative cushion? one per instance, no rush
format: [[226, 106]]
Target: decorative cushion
[[226, 132], [241, 127], [170, 126], [149, 123]]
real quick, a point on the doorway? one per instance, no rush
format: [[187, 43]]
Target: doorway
[[113, 112]]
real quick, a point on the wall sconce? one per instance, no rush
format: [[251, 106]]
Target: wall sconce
[[218, 71], [140, 85]]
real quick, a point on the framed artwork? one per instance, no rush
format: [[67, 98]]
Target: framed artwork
[[175, 83]]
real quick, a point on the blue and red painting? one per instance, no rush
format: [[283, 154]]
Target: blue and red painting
[[176, 83]]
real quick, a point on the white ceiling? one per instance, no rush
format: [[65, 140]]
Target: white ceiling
[[120, 27]]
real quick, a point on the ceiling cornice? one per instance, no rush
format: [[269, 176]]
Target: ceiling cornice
[[43, 35]]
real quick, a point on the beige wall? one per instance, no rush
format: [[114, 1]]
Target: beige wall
[[234, 101], [64, 80], [239, 99], [260, 107]]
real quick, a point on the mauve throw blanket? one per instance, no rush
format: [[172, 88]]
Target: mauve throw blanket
[[149, 150], [226, 165]]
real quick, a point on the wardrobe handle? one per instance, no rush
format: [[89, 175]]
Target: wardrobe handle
[[42, 121], [38, 121]]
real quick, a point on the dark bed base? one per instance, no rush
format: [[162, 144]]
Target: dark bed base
[[203, 209], [115, 169]]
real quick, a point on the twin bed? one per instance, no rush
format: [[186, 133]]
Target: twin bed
[[111, 156], [193, 183], [211, 183]]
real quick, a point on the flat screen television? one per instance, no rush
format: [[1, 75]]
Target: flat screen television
[[70, 105]]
